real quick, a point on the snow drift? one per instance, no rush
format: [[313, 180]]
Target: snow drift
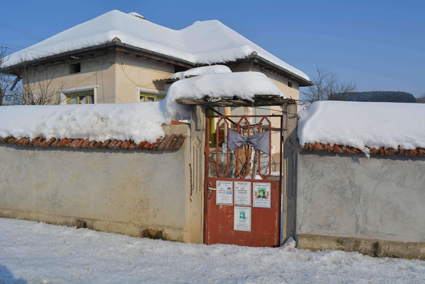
[[133, 121], [364, 124], [42, 253]]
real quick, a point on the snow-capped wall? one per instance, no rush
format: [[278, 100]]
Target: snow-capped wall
[[134, 121], [363, 124]]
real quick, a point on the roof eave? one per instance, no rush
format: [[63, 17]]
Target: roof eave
[[117, 46], [14, 69], [169, 142], [127, 48], [289, 74], [259, 100]]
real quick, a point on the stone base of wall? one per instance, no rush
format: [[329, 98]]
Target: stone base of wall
[[375, 248], [133, 230]]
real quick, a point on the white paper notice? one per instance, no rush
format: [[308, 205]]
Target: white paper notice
[[224, 193], [243, 193], [262, 195], [242, 219]]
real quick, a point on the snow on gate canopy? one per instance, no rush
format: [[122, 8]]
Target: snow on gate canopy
[[139, 122], [215, 69], [363, 125]]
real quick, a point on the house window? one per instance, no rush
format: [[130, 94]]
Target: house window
[[290, 84], [144, 97], [80, 98], [74, 68]]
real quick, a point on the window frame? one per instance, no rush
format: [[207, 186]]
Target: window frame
[[148, 93], [147, 96], [78, 95], [67, 93]]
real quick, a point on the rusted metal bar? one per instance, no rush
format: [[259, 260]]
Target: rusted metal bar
[[217, 131], [221, 115]]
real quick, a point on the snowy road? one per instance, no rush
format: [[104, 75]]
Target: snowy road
[[38, 253]]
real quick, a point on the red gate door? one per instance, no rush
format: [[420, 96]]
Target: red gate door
[[243, 185]]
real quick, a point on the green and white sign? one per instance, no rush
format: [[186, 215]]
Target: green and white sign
[[262, 195], [242, 220]]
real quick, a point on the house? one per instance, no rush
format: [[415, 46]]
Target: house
[[124, 58]]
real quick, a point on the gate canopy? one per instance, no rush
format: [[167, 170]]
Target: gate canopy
[[227, 89]]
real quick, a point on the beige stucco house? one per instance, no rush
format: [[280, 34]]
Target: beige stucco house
[[124, 58]]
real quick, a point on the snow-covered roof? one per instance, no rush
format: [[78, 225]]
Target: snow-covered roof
[[137, 15], [204, 42], [215, 69], [363, 125]]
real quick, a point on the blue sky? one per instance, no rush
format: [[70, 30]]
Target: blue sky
[[380, 45]]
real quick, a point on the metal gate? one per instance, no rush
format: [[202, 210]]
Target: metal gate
[[243, 186]]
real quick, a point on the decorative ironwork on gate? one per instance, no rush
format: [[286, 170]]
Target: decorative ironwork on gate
[[245, 162]]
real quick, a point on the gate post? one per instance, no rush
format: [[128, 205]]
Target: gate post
[[289, 170], [197, 168]]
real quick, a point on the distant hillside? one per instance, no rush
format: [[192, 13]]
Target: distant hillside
[[382, 96]]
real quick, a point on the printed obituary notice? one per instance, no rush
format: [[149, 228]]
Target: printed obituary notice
[[243, 193], [224, 193], [242, 219], [262, 195]]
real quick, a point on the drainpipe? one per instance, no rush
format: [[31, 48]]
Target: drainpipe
[[19, 78]]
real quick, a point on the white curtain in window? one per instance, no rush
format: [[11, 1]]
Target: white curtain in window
[[73, 100]]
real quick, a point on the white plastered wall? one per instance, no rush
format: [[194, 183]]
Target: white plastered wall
[[98, 71], [137, 74]]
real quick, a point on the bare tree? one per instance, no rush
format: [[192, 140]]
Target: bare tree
[[421, 99], [328, 86], [7, 96], [31, 91], [40, 89], [41, 93]]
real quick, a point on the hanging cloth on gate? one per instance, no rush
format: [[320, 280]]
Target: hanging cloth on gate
[[260, 141]]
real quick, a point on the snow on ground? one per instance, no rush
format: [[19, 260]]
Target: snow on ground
[[361, 124], [206, 42], [39, 253], [215, 69]]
